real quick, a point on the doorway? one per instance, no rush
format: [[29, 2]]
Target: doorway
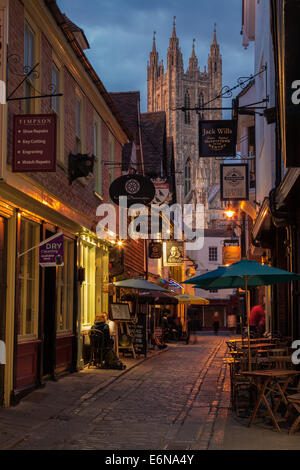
[[49, 348], [3, 285]]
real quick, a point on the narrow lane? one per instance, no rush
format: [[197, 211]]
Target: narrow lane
[[168, 402]]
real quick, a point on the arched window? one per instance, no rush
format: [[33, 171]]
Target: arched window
[[187, 104], [187, 177], [201, 103]]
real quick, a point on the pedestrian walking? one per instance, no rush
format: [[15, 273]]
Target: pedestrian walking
[[216, 322]]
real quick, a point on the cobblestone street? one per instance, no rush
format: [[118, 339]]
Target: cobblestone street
[[168, 402], [176, 399]]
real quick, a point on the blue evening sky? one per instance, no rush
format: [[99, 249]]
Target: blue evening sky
[[120, 34]]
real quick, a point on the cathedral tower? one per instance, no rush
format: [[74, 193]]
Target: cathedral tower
[[173, 89]]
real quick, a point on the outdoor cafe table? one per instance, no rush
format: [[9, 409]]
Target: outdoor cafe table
[[257, 346], [268, 381]]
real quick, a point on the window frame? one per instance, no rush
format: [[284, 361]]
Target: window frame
[[212, 254], [23, 276], [98, 154], [65, 290]]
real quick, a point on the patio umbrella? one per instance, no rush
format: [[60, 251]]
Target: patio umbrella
[[191, 299], [207, 277], [245, 274], [139, 284]]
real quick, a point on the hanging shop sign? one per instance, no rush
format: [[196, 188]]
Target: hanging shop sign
[[217, 138], [290, 92], [51, 251], [190, 272], [137, 188], [162, 193], [173, 253], [232, 242], [34, 142], [231, 254], [234, 182], [155, 250]]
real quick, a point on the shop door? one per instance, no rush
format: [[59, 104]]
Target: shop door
[[2, 297], [49, 319]]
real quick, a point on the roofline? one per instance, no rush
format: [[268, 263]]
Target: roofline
[[58, 16]]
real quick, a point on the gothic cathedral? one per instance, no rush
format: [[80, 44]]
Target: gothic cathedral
[[197, 179]]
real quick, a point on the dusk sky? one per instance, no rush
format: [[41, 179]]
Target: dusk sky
[[120, 34]]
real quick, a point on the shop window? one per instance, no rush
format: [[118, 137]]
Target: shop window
[[98, 155], [101, 280], [213, 253], [28, 280], [65, 290], [88, 257]]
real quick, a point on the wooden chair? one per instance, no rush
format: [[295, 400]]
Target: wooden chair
[[97, 348], [278, 352], [242, 391], [294, 404]]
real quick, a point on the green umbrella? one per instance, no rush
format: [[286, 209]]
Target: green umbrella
[[244, 274], [207, 277]]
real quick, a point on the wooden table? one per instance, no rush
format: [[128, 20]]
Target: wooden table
[[267, 381], [257, 346]]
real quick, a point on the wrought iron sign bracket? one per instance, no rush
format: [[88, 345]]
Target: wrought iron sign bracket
[[226, 92], [26, 74]]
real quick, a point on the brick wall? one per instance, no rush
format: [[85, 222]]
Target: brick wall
[[79, 196]]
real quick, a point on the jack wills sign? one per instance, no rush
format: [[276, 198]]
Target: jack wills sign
[[34, 142], [217, 138]]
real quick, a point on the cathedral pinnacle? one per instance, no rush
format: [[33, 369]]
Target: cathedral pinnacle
[[215, 34], [193, 50], [154, 45], [174, 29]]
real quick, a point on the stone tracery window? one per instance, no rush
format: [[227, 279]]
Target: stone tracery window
[[187, 177], [201, 103], [187, 104]]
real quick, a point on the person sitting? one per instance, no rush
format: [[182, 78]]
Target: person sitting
[[101, 324]]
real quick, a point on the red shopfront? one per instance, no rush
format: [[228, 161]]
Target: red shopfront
[[45, 309]]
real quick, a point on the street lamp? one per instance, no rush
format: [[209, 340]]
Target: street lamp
[[229, 212]]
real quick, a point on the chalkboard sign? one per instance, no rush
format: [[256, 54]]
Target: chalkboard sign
[[138, 331]]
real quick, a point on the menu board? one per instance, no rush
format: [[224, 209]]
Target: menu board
[[138, 332]]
